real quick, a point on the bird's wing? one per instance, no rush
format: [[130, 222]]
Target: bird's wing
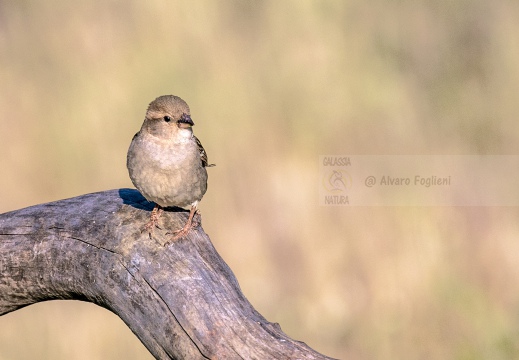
[[203, 154]]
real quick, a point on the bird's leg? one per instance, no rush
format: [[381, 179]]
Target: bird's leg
[[197, 219], [188, 226], [154, 219]]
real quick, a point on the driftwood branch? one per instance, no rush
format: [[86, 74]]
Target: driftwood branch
[[182, 301]]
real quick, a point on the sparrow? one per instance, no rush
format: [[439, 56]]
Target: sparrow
[[166, 161]]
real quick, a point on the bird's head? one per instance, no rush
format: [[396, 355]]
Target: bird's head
[[168, 116]]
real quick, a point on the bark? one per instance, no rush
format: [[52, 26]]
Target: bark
[[182, 301]]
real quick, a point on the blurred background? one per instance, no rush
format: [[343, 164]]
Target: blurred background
[[271, 86]]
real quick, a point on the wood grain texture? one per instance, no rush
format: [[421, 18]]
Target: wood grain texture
[[182, 301]]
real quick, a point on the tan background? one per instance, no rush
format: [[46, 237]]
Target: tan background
[[272, 85]]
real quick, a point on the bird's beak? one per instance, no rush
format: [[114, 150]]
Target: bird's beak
[[185, 121]]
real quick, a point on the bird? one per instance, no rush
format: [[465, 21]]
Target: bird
[[167, 163]]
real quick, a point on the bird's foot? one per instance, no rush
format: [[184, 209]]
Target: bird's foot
[[190, 223], [197, 219], [154, 219]]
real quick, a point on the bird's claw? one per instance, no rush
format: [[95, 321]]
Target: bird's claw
[[192, 222], [154, 219]]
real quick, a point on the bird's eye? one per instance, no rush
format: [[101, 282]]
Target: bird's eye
[[167, 118]]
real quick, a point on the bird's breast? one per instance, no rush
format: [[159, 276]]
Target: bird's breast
[[166, 172]]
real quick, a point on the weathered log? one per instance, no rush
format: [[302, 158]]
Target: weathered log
[[182, 301]]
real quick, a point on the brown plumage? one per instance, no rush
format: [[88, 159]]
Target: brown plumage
[[167, 162]]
